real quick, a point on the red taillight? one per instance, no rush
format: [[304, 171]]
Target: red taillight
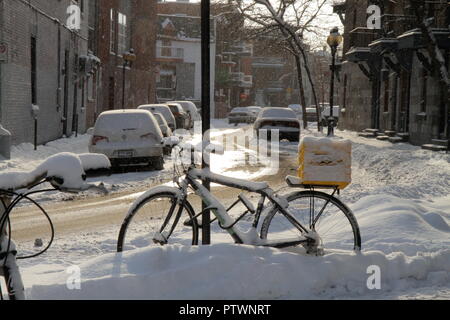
[[294, 125], [97, 139]]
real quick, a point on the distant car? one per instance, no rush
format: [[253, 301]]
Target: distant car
[[164, 110], [311, 114], [240, 115], [165, 129], [297, 109], [191, 109], [182, 118], [128, 137], [326, 113], [283, 119], [255, 110]]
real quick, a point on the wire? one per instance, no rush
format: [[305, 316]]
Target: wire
[[5, 219]]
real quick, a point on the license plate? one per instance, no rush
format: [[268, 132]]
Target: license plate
[[125, 154]]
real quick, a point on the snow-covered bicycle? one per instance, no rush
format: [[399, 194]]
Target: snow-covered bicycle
[[65, 172], [310, 219]]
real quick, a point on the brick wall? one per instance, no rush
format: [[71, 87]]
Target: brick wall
[[140, 79], [20, 21]]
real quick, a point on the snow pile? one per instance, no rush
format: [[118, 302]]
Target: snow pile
[[94, 161], [241, 272]]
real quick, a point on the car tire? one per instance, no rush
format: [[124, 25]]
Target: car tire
[[158, 163]]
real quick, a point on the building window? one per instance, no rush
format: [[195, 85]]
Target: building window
[[112, 39], [33, 71], [166, 50], [122, 43], [423, 91]]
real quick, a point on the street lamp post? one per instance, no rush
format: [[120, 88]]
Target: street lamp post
[[128, 58], [334, 40]]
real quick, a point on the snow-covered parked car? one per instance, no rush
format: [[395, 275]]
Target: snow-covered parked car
[[191, 109], [129, 137], [165, 129], [164, 110], [240, 115], [297, 109], [311, 114], [283, 119], [255, 110]]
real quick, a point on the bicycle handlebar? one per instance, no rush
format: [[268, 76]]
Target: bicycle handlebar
[[64, 171]]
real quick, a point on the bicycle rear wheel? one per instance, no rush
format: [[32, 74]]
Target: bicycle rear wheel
[[158, 219], [333, 221]]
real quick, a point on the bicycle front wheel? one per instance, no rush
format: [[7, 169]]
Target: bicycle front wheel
[[333, 221], [158, 219]]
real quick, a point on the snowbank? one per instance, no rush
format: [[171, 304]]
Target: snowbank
[[407, 239], [240, 272]]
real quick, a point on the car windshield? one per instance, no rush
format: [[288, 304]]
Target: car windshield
[[174, 108], [278, 113], [159, 118]]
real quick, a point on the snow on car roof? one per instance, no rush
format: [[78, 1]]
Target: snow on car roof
[[125, 111], [278, 113], [125, 119], [240, 109]]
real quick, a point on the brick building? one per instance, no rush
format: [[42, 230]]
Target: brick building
[[39, 65], [116, 27], [391, 77]]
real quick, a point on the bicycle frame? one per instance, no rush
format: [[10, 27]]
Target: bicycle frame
[[251, 237]]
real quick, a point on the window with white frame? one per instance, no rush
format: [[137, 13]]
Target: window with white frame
[[122, 39], [112, 40]]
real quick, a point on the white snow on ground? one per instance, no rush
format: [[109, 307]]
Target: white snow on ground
[[399, 194]]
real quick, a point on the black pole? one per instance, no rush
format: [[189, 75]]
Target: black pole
[[333, 65], [35, 132], [206, 109], [123, 87]]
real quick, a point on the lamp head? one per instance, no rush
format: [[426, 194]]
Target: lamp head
[[129, 56], [334, 39]]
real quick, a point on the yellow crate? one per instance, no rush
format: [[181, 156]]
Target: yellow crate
[[325, 162]]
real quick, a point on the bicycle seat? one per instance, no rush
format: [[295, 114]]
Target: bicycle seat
[[64, 171]]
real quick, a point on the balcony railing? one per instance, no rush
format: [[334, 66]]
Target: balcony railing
[[237, 76], [362, 37], [274, 86], [268, 62], [395, 24], [169, 52], [243, 49]]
